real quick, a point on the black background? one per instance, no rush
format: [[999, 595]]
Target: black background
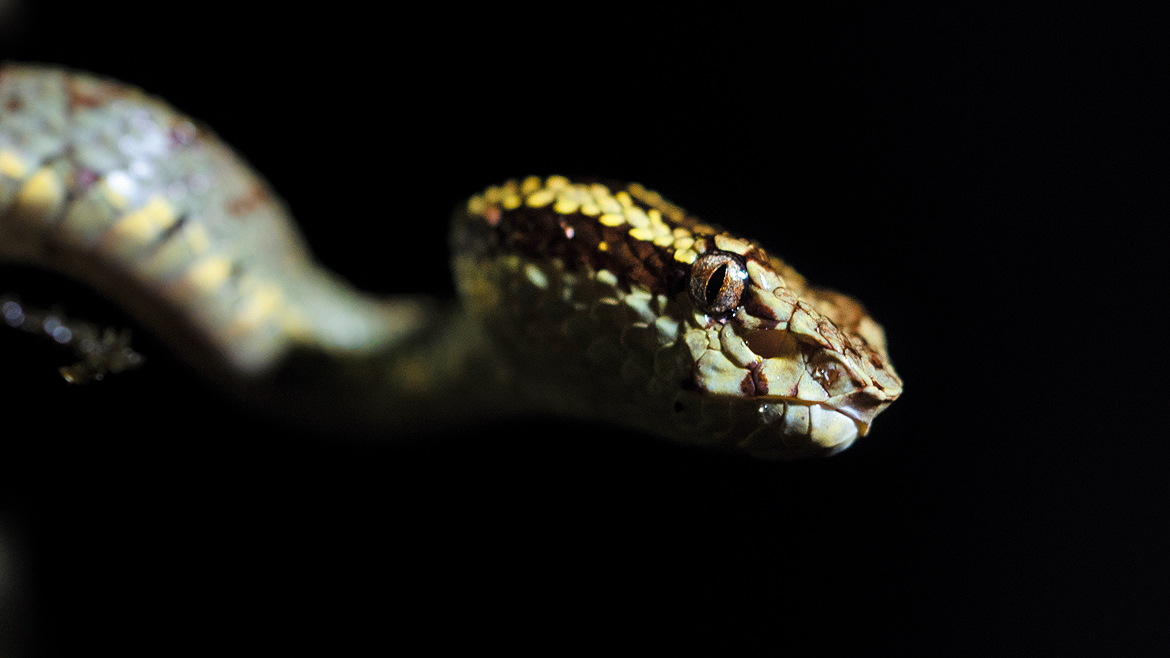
[[985, 180]]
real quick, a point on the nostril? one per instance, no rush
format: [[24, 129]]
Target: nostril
[[827, 374]]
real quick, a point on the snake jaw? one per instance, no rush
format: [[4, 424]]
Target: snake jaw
[[790, 430]]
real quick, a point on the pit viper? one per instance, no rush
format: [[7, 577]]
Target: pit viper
[[581, 297]]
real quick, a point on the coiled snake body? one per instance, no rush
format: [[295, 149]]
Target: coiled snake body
[[580, 297]]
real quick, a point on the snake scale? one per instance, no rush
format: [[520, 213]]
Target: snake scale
[[580, 297]]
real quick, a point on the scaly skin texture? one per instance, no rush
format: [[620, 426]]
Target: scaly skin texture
[[584, 298]]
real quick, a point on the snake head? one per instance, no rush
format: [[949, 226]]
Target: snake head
[[805, 370], [629, 309]]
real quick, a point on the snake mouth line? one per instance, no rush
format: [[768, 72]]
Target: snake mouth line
[[858, 416]]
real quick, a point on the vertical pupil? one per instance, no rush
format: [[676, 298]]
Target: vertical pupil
[[715, 284]]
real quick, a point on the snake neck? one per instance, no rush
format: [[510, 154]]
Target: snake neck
[[442, 375]]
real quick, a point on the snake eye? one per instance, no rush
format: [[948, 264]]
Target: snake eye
[[717, 282]]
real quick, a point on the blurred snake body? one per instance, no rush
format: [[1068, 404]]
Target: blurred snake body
[[583, 298]]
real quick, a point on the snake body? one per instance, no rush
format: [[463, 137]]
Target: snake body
[[585, 298]]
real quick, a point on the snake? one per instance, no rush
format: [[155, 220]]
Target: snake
[[580, 297]]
